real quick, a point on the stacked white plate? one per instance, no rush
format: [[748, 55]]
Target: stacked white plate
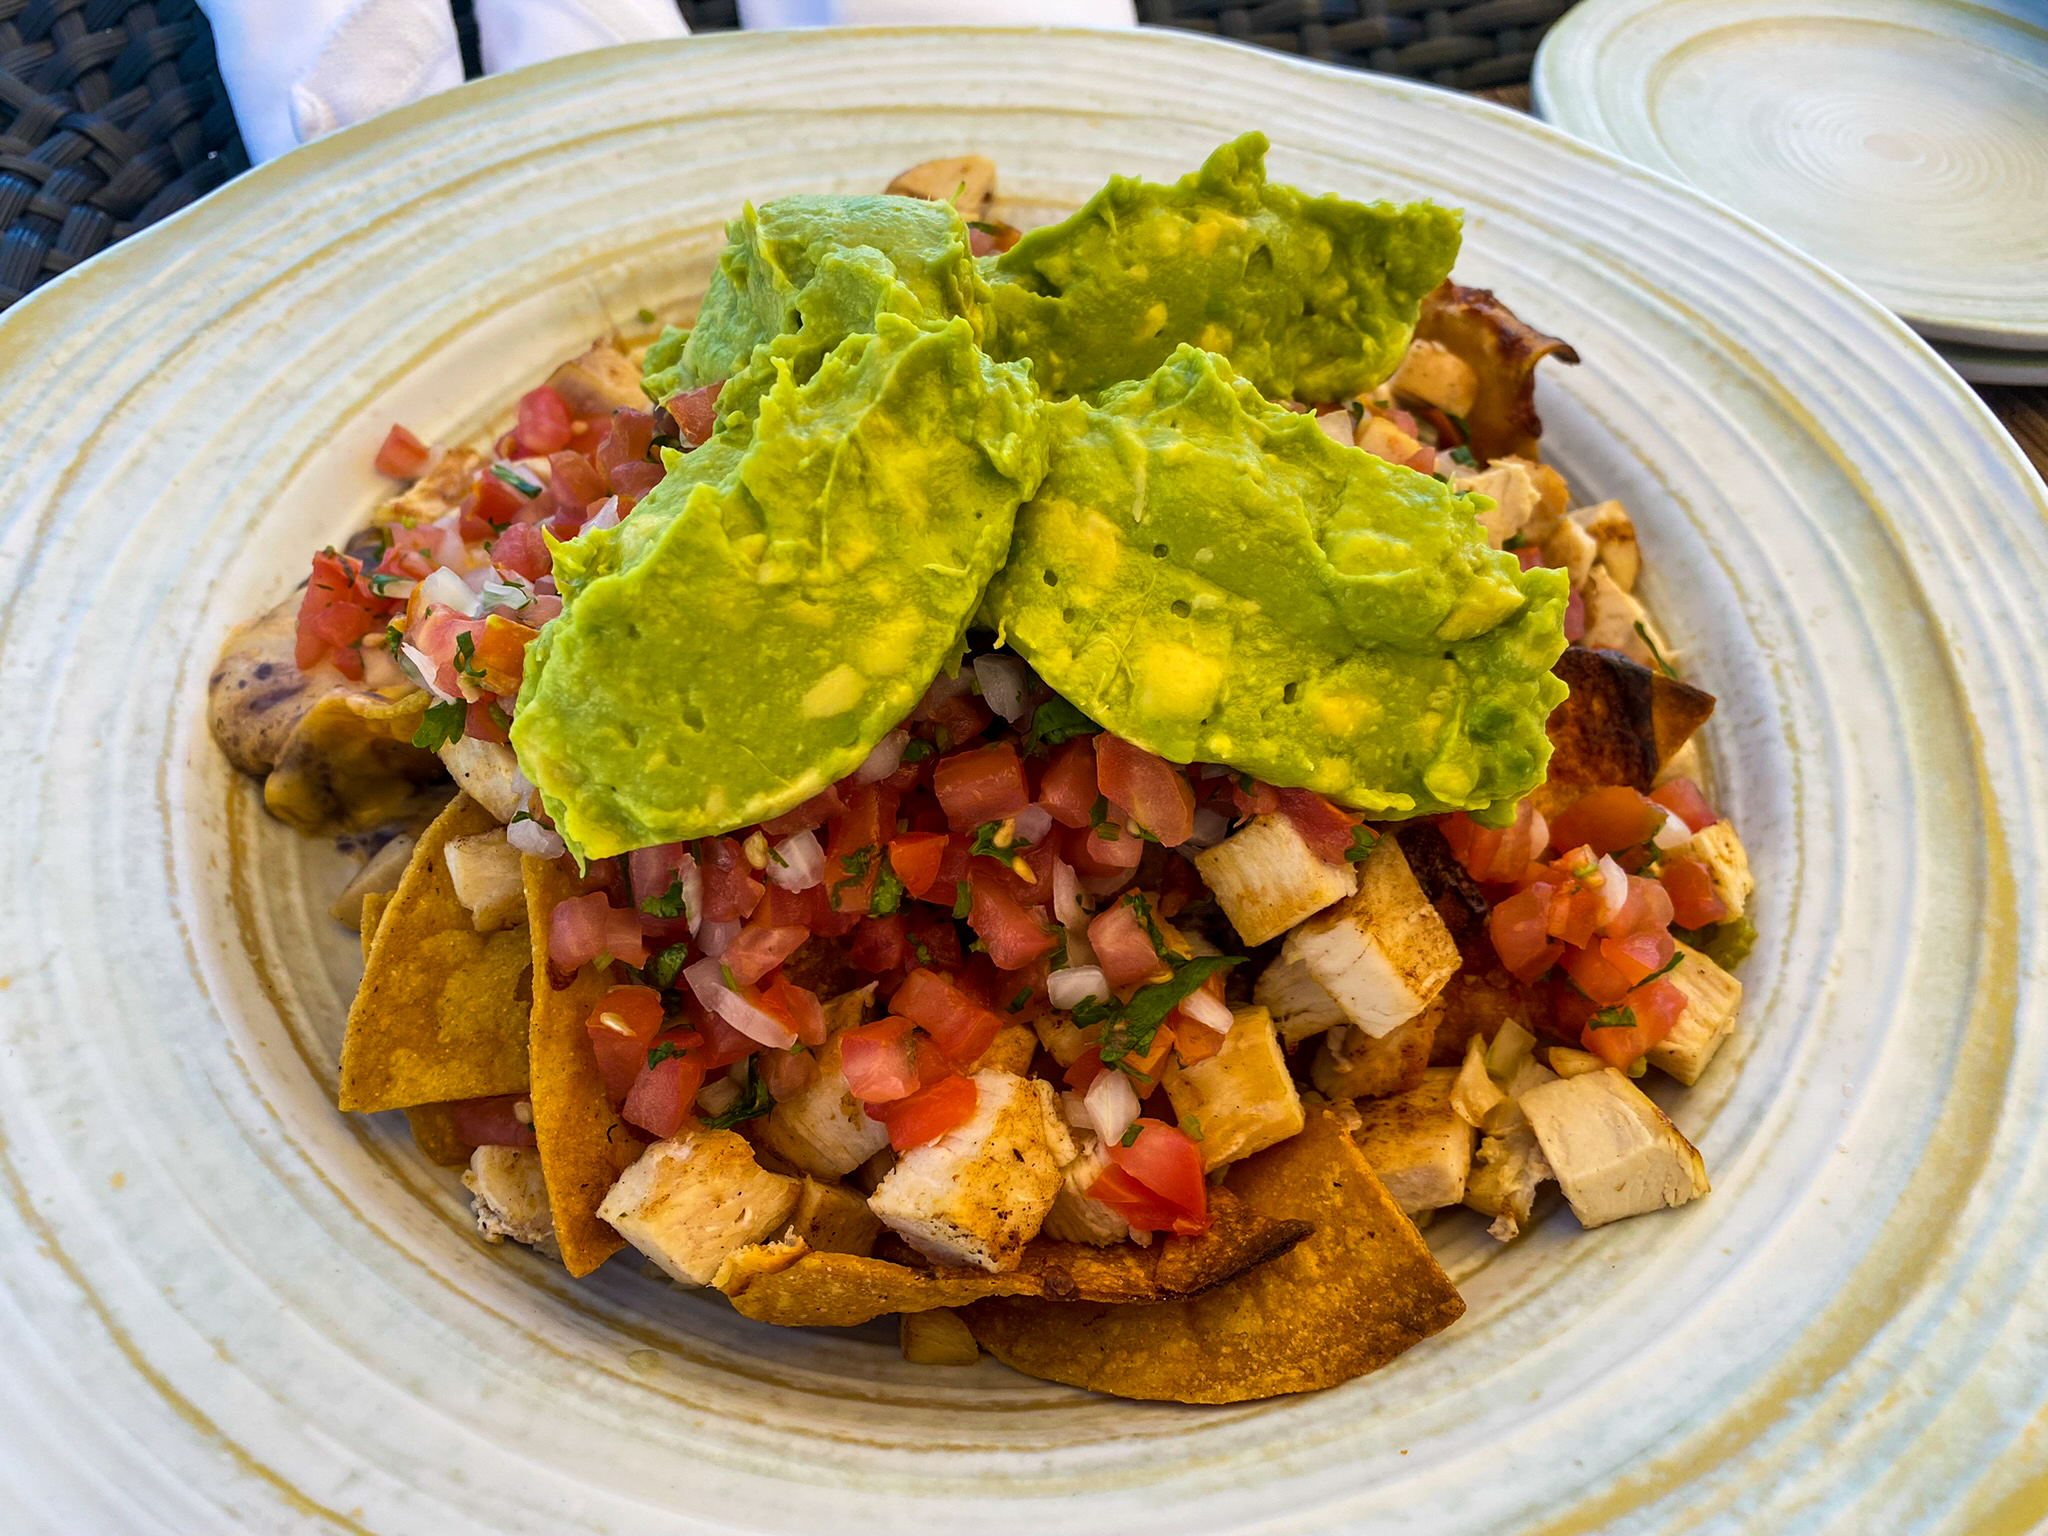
[[1902, 142]]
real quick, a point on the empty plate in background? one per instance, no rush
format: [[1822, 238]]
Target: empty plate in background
[[1902, 142], [1994, 365]]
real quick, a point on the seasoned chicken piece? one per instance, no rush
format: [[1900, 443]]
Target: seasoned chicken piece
[[1417, 1144], [488, 773], [936, 1337], [692, 1201], [1350, 1064], [980, 1192], [1241, 1099], [1507, 1115], [1506, 1173], [488, 879], [510, 1197], [831, 1218], [1515, 495], [1266, 879], [1615, 621], [1474, 1093], [1432, 373], [257, 695], [1613, 533], [439, 490], [1074, 1218], [599, 382], [1727, 862], [1712, 998], [824, 1130], [379, 876], [968, 182], [1011, 1051], [1571, 549], [1301, 1009], [1615, 1152], [1062, 1041], [1566, 1062], [1383, 954]]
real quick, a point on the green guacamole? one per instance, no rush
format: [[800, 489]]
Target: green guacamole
[[1212, 577], [781, 600], [1311, 298]]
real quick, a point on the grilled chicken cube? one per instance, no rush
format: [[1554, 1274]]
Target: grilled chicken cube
[[486, 873], [1063, 1042], [1011, 1051], [936, 1337], [1266, 879], [440, 489], [1571, 549], [1242, 1098], [1517, 499], [1615, 1153], [1417, 1144], [1474, 1093], [692, 1201], [1074, 1217], [1301, 1009], [510, 1197], [379, 876], [831, 1218], [1432, 373], [488, 773], [1506, 1173], [1727, 863], [823, 1129], [1712, 998], [980, 1192], [1383, 954], [1615, 621], [1566, 1062], [1350, 1064], [1614, 533], [599, 382]]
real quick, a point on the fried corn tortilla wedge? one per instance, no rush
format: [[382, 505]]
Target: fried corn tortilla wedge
[[442, 1010], [1503, 352], [433, 1132], [795, 1286], [349, 763], [584, 1146], [1355, 1294]]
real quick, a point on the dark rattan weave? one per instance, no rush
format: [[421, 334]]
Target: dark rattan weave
[[1468, 44]]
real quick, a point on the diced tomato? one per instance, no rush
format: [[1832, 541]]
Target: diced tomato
[[1162, 1161], [1138, 1206], [985, 784], [1011, 932], [854, 851], [915, 857], [1069, 790], [935, 941], [626, 441], [545, 423], [496, 505], [1148, 789], [1520, 929], [795, 909], [1647, 909], [1656, 1007], [1325, 829], [655, 872], [1685, 800], [479, 721], [1694, 901], [797, 1007], [402, 456], [523, 550], [336, 611], [1193, 1041], [498, 653], [493, 1122], [786, 1073], [1575, 616], [1093, 854], [723, 1045], [730, 890], [584, 927], [879, 1060], [664, 1093], [1639, 955], [760, 948], [632, 481], [809, 816], [1497, 855], [1145, 1069], [880, 944], [961, 1027], [1261, 799], [1607, 820], [929, 1113], [1574, 913], [1123, 948], [573, 480], [1595, 974], [1084, 1069], [695, 412]]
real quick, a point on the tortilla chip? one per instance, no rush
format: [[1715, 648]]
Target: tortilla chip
[[1357, 1293], [831, 1218], [584, 1145], [442, 1010], [791, 1284], [374, 903], [433, 1132], [349, 764], [1621, 723], [1011, 1051], [1504, 353]]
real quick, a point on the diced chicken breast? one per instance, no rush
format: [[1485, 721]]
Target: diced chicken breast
[[1571, 549], [510, 1197], [1506, 1173], [691, 1202], [831, 1218], [1712, 999], [1615, 621], [1727, 863], [599, 382], [1613, 532], [1383, 954], [1301, 1009], [1266, 879], [1432, 373], [488, 773], [439, 490], [980, 1192], [823, 1130], [1515, 494], [936, 1337], [1242, 1099], [1350, 1064], [1010, 1051], [1417, 1144], [1566, 1062], [1615, 1153], [1474, 1093], [1062, 1041], [1074, 1218], [486, 873]]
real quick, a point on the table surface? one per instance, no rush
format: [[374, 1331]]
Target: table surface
[[2024, 411]]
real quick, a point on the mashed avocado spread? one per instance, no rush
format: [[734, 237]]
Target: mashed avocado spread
[[1200, 571]]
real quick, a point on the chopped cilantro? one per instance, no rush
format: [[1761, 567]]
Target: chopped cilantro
[[991, 841], [856, 866], [1363, 841], [1462, 455], [1658, 656], [917, 750], [963, 898], [668, 904], [441, 724], [516, 480], [465, 656], [394, 640], [668, 1050], [1191, 1127], [754, 1101], [776, 854], [1131, 1136], [1726, 944], [1245, 782], [1017, 1002], [924, 956], [1098, 820], [889, 891], [498, 716], [725, 975], [646, 316], [1056, 721], [1514, 541], [1613, 1018], [381, 582], [1677, 959], [667, 964], [1128, 1028]]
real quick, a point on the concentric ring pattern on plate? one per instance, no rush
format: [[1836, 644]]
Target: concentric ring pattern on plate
[[1903, 142], [226, 1307]]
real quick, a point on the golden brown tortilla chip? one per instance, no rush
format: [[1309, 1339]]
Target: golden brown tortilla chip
[[433, 1132], [790, 1284], [584, 1145], [349, 763], [374, 903], [1357, 1293], [1503, 352], [442, 1010]]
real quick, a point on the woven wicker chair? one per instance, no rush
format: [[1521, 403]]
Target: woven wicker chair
[[112, 113]]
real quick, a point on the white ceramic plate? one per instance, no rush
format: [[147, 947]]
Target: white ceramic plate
[[1903, 142], [226, 1308]]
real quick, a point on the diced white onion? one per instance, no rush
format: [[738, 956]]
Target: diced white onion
[[707, 979], [1033, 822], [1073, 916], [425, 672], [607, 517], [1674, 833], [448, 590], [1205, 1007], [1004, 682], [1074, 1110], [1613, 887], [1338, 427], [798, 863], [691, 879], [499, 594], [1112, 1105], [718, 1095], [1539, 832], [1211, 827], [716, 938], [883, 761], [1068, 988], [534, 840], [399, 589]]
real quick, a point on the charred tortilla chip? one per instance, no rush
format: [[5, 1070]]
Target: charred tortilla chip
[[584, 1145], [1355, 1294], [442, 1010], [791, 1284], [1620, 724], [433, 1132], [1504, 353], [349, 763]]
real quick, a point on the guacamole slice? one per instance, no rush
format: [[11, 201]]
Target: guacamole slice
[[1213, 578], [1311, 298], [783, 597]]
